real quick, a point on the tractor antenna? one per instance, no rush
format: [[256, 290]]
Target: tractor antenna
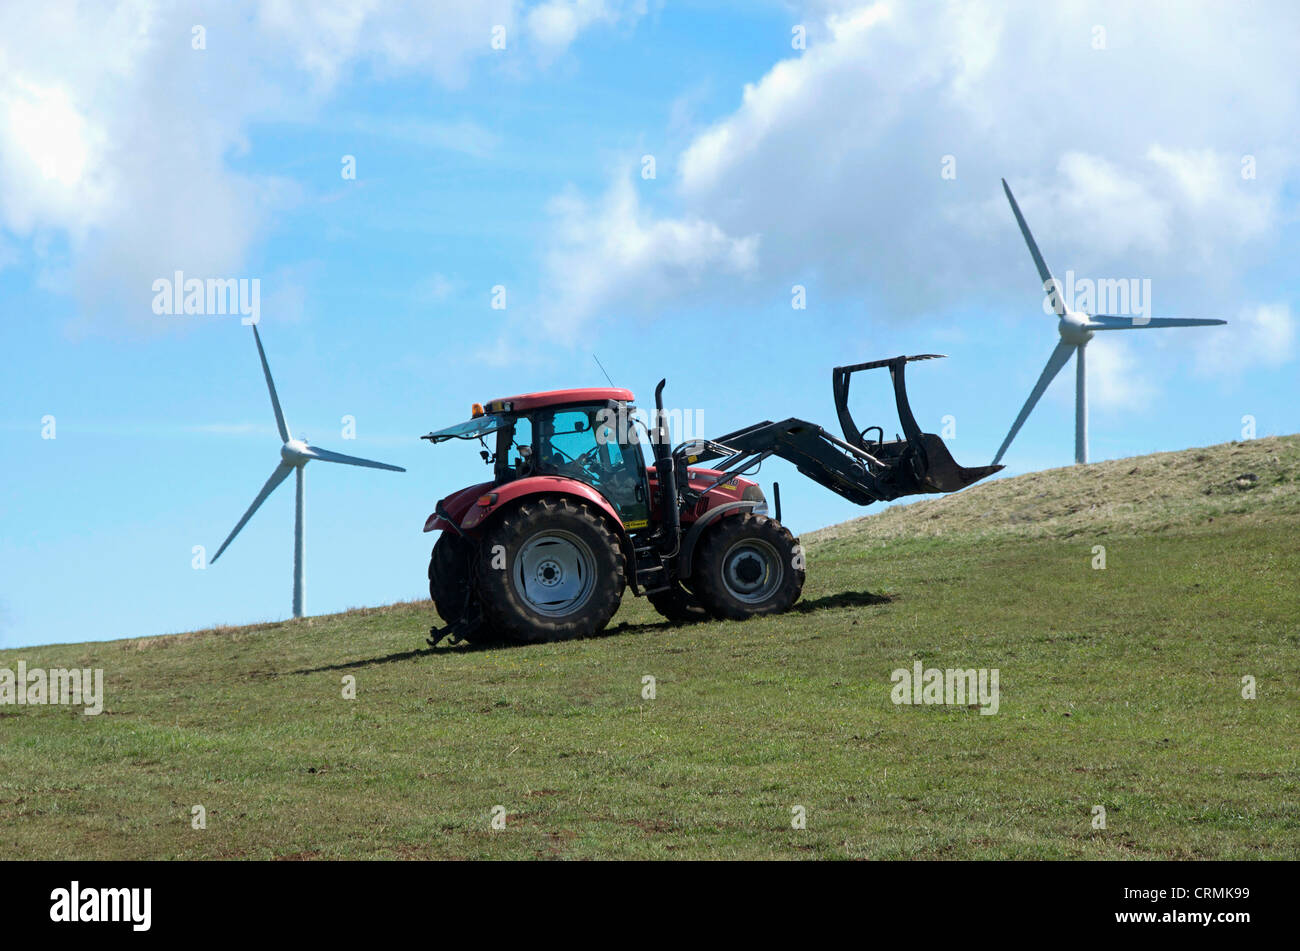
[[602, 367]]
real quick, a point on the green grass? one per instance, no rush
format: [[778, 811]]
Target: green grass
[[1119, 687]]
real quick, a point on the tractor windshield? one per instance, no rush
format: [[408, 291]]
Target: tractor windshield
[[471, 429]]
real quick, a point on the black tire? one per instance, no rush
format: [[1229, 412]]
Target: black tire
[[449, 576], [451, 571], [678, 605], [747, 565], [550, 569]]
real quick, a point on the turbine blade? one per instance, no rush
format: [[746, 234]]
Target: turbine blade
[[1050, 287], [275, 400], [1060, 356], [1108, 322], [279, 475], [324, 455]]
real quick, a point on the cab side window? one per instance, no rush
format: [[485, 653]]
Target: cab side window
[[569, 438], [519, 453], [580, 444]]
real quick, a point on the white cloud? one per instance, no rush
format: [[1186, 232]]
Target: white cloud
[[116, 134], [613, 253], [555, 24], [1107, 207], [1116, 378], [1261, 336], [1198, 176], [1127, 160], [437, 37], [440, 37], [51, 156]]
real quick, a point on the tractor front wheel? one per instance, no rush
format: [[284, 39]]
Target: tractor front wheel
[[746, 565], [550, 569]]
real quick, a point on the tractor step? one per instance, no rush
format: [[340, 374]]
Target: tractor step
[[651, 573]]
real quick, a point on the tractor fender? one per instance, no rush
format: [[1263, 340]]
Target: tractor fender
[[535, 485], [456, 506], [703, 522], [511, 492]]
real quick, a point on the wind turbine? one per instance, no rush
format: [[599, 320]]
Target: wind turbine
[[1076, 329], [294, 456]]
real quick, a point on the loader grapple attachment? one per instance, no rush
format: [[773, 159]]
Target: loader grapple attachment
[[856, 467]]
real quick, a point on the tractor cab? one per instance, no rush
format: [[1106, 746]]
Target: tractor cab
[[585, 435]]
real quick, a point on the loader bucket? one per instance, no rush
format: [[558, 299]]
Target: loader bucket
[[923, 463], [942, 474]]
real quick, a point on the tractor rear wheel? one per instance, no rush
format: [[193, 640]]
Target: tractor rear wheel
[[550, 569], [678, 605], [452, 590], [747, 565], [449, 576]]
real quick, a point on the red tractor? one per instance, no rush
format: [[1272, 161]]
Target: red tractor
[[573, 514]]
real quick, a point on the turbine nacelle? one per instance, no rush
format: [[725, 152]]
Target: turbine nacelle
[[296, 452], [1073, 328]]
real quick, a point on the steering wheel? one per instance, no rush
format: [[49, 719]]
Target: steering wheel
[[587, 458]]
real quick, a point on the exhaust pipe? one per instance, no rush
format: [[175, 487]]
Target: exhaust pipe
[[669, 535]]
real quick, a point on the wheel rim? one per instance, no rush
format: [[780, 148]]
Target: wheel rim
[[752, 570], [555, 573]]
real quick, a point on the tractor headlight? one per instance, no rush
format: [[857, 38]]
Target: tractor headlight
[[753, 493]]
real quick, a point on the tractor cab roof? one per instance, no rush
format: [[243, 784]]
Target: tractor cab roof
[[531, 401], [495, 416]]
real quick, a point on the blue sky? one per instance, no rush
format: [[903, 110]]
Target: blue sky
[[127, 153]]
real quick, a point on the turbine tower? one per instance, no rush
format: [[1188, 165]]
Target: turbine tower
[[1075, 329], [294, 456]]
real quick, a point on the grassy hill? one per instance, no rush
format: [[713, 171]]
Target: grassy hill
[[1119, 688]]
